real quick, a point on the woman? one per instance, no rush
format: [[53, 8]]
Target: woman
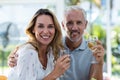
[[38, 58]]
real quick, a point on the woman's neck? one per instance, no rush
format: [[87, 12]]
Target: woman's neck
[[43, 56]]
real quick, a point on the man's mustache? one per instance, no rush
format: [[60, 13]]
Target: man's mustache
[[74, 31]]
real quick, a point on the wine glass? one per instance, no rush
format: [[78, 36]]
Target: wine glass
[[91, 43], [63, 52]]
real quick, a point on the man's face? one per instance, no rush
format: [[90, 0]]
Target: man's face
[[74, 25]]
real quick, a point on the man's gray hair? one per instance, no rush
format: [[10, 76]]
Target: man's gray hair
[[70, 8]]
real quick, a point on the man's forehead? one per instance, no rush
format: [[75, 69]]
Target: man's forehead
[[74, 16], [73, 12]]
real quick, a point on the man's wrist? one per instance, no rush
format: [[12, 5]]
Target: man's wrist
[[101, 62]]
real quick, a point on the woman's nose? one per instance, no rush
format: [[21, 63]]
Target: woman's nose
[[45, 30]]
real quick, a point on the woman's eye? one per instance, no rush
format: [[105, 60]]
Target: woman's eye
[[50, 26], [40, 26]]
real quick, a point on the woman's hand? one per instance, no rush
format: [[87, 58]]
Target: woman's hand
[[61, 65]]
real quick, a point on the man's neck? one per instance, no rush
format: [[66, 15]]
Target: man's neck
[[73, 45]]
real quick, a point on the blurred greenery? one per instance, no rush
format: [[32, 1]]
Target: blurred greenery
[[76, 2], [4, 53], [71, 2], [3, 57], [115, 42], [98, 30]]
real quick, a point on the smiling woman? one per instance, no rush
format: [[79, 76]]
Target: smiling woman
[[44, 29], [41, 52]]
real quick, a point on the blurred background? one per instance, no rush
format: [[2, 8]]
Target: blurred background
[[103, 17]]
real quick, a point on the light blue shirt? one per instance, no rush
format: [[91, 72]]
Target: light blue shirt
[[81, 59]]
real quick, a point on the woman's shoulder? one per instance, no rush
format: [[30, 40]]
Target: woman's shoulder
[[26, 49], [27, 46]]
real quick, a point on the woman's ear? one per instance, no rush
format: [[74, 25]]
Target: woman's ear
[[33, 31]]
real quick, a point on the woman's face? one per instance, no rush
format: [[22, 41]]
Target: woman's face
[[44, 29]]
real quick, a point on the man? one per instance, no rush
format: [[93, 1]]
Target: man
[[74, 24], [81, 67]]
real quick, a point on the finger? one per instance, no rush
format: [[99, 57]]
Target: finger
[[99, 48], [99, 42], [11, 63], [67, 66], [66, 60], [94, 50], [11, 56], [13, 59], [99, 52]]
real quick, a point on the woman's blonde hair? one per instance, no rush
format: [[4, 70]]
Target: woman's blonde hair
[[56, 43]]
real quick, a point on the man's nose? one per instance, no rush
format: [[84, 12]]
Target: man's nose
[[75, 27]]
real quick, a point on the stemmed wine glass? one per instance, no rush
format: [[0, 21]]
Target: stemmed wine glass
[[91, 43], [63, 52]]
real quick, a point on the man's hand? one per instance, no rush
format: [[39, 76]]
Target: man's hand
[[12, 59], [99, 52]]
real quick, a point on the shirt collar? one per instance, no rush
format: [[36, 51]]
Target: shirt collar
[[82, 46]]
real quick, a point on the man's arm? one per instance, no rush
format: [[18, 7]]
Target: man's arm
[[96, 72], [12, 60]]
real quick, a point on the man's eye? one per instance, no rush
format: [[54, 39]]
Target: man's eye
[[79, 22], [69, 23]]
